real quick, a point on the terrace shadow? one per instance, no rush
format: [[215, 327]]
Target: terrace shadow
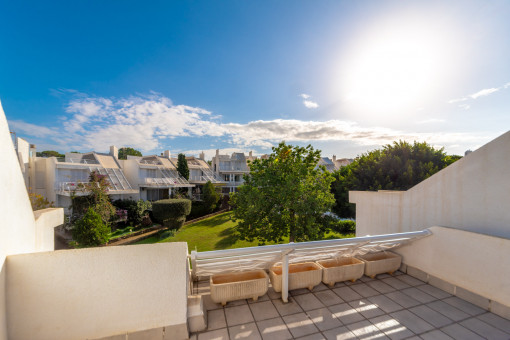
[[228, 239]]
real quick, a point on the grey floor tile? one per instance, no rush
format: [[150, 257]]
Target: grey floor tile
[[272, 294], [340, 333], [391, 327], [323, 319], [300, 291], [216, 319], [315, 336], [385, 303], [464, 306], [366, 330], [435, 292], [320, 287], [328, 297], [308, 301], [300, 324], [448, 310], [383, 276], [381, 287], [264, 297], [365, 278], [402, 299], [435, 335], [263, 310], [288, 308], [209, 304], [433, 317], [273, 329], [418, 295], [483, 329], [412, 322], [495, 321], [219, 334], [247, 331], [346, 293], [458, 332], [345, 313], [365, 290], [396, 283], [237, 303], [398, 272], [366, 308], [412, 281], [238, 315]]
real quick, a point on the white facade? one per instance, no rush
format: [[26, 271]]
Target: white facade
[[231, 169], [155, 177]]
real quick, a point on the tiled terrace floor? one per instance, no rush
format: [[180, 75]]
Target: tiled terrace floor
[[389, 307]]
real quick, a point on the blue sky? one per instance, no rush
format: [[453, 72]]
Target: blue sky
[[345, 76]]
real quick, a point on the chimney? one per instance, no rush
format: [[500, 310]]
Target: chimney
[[114, 151], [202, 156], [251, 154], [167, 154], [217, 152], [334, 158]]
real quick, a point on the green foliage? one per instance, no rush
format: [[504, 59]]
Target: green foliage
[[397, 166], [124, 152], [136, 209], [342, 226], [49, 153], [90, 230], [171, 212], [166, 234], [198, 209], [182, 166], [284, 195], [38, 202], [210, 197]]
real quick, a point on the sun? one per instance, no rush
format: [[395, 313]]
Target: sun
[[391, 71]]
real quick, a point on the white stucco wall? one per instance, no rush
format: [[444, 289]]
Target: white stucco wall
[[98, 292], [472, 194], [469, 260]]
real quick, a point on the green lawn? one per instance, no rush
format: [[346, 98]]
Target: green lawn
[[214, 233]]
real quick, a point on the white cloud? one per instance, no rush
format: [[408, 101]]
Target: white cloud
[[484, 92], [465, 106], [147, 122], [310, 104], [457, 100], [507, 85], [431, 120], [304, 95]]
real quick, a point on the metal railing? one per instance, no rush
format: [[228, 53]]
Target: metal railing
[[69, 187], [264, 257]]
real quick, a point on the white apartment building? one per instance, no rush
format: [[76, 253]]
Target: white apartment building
[[155, 177], [231, 169], [58, 179], [334, 164]]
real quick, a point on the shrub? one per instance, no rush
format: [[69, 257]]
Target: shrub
[[171, 212], [136, 210], [166, 234], [197, 210], [146, 221], [211, 197], [90, 230], [39, 202], [344, 226]]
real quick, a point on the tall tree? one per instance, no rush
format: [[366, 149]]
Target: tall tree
[[124, 152], [49, 153], [283, 195], [182, 166], [397, 166], [210, 197]]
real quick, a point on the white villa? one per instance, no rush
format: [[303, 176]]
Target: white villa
[[453, 283], [231, 169], [154, 177]]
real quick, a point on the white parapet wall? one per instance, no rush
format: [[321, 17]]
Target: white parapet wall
[[471, 263], [99, 292], [472, 194]]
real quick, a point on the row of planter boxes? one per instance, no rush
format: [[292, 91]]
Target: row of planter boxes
[[252, 284]]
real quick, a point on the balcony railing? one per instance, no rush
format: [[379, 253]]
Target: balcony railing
[[160, 181], [233, 168], [68, 187]]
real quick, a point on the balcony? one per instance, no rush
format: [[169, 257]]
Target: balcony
[[68, 188], [164, 182]]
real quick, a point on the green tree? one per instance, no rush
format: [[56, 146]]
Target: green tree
[[397, 166], [283, 195], [124, 152], [49, 153], [182, 166], [210, 197], [90, 230]]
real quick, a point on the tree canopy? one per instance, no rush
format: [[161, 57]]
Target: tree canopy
[[182, 166], [124, 152], [283, 195], [49, 153], [210, 197], [397, 166]]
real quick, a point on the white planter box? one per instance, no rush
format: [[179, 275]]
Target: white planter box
[[341, 269], [237, 286], [379, 263], [301, 275]]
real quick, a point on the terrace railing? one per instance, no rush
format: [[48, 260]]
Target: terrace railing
[[264, 257]]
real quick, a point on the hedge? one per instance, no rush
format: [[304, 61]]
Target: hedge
[[171, 212]]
